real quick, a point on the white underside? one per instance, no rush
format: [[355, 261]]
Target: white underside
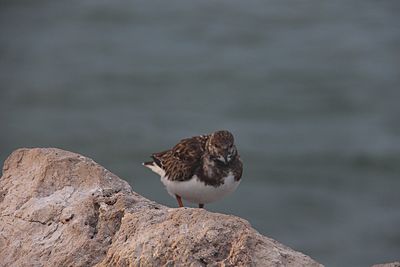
[[196, 191]]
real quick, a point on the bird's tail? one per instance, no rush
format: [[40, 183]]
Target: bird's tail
[[154, 167], [146, 164]]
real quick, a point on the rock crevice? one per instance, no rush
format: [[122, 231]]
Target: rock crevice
[[62, 209]]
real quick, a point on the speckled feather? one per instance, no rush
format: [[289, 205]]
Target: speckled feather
[[194, 156], [180, 162]]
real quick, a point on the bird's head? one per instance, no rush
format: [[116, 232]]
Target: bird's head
[[220, 147]]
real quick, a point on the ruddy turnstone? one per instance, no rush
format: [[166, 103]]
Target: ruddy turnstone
[[200, 169]]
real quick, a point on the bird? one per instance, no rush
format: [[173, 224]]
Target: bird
[[200, 169]]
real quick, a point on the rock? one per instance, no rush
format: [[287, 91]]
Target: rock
[[59, 208], [392, 264]]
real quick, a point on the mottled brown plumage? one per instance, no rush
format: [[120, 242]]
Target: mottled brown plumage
[[180, 162], [209, 159]]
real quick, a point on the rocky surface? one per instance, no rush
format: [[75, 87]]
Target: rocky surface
[[392, 264], [59, 208]]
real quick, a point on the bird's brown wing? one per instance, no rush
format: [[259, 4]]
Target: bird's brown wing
[[180, 162]]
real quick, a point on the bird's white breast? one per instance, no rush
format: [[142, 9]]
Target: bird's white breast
[[196, 191]]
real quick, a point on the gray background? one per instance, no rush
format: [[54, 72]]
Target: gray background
[[309, 88]]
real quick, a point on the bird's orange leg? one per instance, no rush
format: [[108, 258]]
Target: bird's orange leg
[[201, 206], [179, 201]]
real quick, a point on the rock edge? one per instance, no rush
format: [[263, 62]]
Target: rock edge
[[58, 208]]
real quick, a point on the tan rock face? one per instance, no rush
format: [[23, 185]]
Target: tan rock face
[[59, 208]]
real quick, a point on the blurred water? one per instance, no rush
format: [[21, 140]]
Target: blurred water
[[309, 88]]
